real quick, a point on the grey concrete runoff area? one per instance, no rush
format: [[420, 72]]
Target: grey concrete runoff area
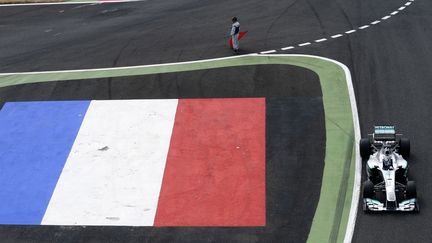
[[389, 62]]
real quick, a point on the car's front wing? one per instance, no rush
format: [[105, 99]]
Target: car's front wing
[[375, 205]]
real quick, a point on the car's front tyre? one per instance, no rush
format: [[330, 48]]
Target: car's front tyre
[[404, 147]]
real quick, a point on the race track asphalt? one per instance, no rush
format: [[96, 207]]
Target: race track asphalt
[[91, 36], [389, 62], [390, 65]]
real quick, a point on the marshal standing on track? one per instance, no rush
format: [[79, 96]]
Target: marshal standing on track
[[235, 30]]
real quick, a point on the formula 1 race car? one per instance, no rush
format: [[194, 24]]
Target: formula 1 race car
[[387, 187]]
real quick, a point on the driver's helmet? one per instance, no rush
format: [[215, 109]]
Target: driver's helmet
[[387, 150]]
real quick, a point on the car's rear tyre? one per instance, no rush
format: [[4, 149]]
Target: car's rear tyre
[[404, 147], [411, 190], [368, 189], [365, 148], [365, 208], [417, 208]]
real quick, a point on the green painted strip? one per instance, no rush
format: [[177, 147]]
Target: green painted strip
[[348, 197], [331, 216]]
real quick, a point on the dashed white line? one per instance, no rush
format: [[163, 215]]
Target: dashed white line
[[321, 40], [304, 44], [267, 52], [408, 3], [347, 32], [287, 48]]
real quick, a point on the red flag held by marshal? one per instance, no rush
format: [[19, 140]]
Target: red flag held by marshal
[[241, 34]]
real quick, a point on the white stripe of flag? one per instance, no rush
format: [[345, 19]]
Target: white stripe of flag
[[114, 172]]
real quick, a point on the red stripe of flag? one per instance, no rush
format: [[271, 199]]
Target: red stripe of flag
[[215, 171]]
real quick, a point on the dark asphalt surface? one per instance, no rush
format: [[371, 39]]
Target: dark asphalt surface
[[90, 36], [391, 73], [389, 62]]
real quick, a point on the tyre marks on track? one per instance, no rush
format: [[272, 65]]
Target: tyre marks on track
[[346, 33]]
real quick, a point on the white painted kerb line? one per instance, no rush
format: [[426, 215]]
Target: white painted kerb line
[[113, 175], [65, 3], [358, 162]]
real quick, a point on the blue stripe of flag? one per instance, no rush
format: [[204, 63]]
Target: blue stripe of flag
[[35, 141]]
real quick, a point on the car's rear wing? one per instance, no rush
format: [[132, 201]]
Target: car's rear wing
[[384, 133]]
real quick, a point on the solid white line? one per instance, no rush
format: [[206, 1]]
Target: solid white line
[[304, 44], [118, 68], [395, 12], [408, 3], [43, 4], [386, 17], [376, 22], [364, 27], [401, 8], [350, 31], [321, 40], [287, 48], [113, 175], [267, 52], [358, 162], [63, 3], [336, 36]]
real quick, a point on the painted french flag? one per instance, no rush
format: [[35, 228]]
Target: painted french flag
[[186, 162]]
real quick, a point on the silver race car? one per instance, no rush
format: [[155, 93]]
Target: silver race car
[[387, 187]]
